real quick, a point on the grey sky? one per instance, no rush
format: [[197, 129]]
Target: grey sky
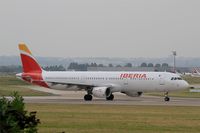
[[101, 28]]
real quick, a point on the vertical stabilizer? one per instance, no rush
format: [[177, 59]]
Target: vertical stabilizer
[[29, 63]]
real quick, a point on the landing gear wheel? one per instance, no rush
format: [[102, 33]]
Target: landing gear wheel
[[88, 97], [167, 99], [110, 98]]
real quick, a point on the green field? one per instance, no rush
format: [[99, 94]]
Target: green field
[[192, 80], [67, 118], [184, 93], [56, 118], [9, 84]]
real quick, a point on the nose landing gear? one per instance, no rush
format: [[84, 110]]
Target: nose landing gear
[[166, 97]]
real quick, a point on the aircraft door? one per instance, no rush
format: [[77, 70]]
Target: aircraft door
[[125, 83], [161, 80]]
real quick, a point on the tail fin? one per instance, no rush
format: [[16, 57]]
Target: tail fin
[[197, 70], [29, 63]]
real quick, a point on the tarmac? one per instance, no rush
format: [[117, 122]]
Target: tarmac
[[72, 97]]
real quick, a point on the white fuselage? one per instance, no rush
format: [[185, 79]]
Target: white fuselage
[[117, 81], [98, 84]]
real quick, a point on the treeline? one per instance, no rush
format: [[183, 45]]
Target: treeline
[[54, 68], [10, 69], [83, 67], [18, 69], [152, 65], [77, 67]]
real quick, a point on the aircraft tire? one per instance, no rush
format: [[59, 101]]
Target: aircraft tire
[[167, 99], [88, 97], [110, 98]]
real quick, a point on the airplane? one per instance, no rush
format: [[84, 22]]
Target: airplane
[[99, 84], [195, 73]]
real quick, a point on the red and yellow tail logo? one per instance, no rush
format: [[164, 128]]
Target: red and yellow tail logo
[[32, 72], [28, 61]]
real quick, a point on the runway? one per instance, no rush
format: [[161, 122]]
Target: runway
[[120, 99], [73, 97]]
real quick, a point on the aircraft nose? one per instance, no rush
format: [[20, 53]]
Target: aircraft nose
[[185, 84]]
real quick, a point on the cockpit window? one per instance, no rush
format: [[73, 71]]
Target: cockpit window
[[179, 78], [176, 78]]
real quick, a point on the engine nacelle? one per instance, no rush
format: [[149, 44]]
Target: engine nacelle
[[101, 92], [133, 94]]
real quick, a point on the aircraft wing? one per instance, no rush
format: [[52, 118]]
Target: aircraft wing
[[79, 85]]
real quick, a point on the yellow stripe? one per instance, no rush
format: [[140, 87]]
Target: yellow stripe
[[23, 47]]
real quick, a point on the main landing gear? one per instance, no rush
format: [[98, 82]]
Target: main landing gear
[[166, 97], [88, 97], [110, 98]]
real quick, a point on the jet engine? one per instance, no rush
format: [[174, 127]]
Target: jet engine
[[133, 94], [101, 92]]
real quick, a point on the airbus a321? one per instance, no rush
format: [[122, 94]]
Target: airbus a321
[[99, 84]]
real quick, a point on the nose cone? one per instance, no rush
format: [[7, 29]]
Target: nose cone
[[184, 85]]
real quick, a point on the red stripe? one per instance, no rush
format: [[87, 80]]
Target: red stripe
[[29, 64], [32, 71]]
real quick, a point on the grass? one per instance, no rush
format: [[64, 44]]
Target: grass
[[192, 80], [11, 80], [57, 118], [67, 118], [9, 84], [184, 93]]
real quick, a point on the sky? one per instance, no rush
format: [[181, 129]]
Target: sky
[[101, 28]]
